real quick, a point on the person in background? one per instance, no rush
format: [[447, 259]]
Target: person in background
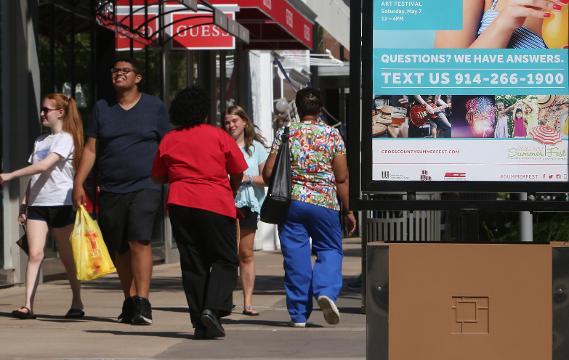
[[204, 167], [553, 111], [123, 137], [249, 196], [319, 177], [501, 130], [435, 106], [520, 124], [47, 205]]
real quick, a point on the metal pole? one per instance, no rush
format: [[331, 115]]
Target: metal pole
[[146, 55], [222, 82], [353, 129], [131, 25], [52, 80], [526, 222], [163, 56], [72, 56], [364, 241]]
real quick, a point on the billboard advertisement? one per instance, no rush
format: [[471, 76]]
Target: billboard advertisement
[[472, 91]]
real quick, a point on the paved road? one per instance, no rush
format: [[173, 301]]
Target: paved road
[[99, 336]]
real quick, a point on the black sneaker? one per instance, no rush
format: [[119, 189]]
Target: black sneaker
[[142, 314], [127, 310]]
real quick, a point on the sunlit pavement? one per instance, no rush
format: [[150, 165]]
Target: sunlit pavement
[[99, 336]]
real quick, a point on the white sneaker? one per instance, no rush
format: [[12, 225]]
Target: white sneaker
[[297, 325], [329, 309]]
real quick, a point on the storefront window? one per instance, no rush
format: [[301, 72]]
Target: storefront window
[[65, 51], [179, 72], [151, 61], [225, 80]]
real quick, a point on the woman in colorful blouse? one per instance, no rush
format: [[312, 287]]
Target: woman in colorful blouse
[[249, 197], [319, 177]]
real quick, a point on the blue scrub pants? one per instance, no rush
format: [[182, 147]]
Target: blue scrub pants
[[302, 281]]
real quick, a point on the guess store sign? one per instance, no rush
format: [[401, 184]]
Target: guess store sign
[[196, 31], [122, 41], [187, 29]]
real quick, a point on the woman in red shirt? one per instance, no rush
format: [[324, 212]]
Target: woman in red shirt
[[203, 166]]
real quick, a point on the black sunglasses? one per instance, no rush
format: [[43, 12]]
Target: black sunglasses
[[46, 110]]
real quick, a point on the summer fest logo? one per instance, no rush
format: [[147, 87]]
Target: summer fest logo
[[537, 153]]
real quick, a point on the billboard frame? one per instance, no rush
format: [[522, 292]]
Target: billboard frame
[[360, 146]]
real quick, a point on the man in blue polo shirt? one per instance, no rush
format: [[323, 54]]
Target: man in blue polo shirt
[[123, 137]]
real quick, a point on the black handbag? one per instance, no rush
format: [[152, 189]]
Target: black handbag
[[23, 242], [275, 206]]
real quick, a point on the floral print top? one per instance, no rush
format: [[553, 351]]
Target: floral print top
[[312, 149]]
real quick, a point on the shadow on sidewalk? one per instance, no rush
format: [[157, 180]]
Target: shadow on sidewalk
[[353, 252], [268, 323], [350, 310], [166, 284], [162, 334], [8, 315], [184, 310], [60, 318], [267, 285], [264, 285]]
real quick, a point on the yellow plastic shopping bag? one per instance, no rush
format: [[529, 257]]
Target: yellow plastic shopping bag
[[90, 254]]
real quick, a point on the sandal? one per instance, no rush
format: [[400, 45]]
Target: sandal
[[75, 314], [249, 311], [24, 315]]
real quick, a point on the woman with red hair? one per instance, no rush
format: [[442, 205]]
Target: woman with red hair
[[47, 205]]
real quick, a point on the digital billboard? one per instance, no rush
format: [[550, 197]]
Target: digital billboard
[[472, 91]]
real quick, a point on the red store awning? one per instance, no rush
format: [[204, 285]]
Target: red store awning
[[137, 24], [273, 24]]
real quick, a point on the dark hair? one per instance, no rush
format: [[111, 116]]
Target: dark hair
[[308, 102], [190, 107], [519, 110], [130, 60], [250, 131]]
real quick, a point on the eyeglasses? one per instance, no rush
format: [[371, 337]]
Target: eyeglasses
[[46, 110], [122, 70]]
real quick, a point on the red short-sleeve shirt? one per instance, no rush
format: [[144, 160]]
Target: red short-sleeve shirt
[[197, 161]]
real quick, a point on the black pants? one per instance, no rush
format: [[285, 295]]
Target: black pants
[[208, 257]]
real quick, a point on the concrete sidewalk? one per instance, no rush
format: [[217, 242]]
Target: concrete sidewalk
[[170, 337]]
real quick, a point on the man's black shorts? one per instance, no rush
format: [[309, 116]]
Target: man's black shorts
[[54, 216], [128, 217]]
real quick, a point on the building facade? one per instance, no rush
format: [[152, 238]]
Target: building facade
[[62, 46]]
